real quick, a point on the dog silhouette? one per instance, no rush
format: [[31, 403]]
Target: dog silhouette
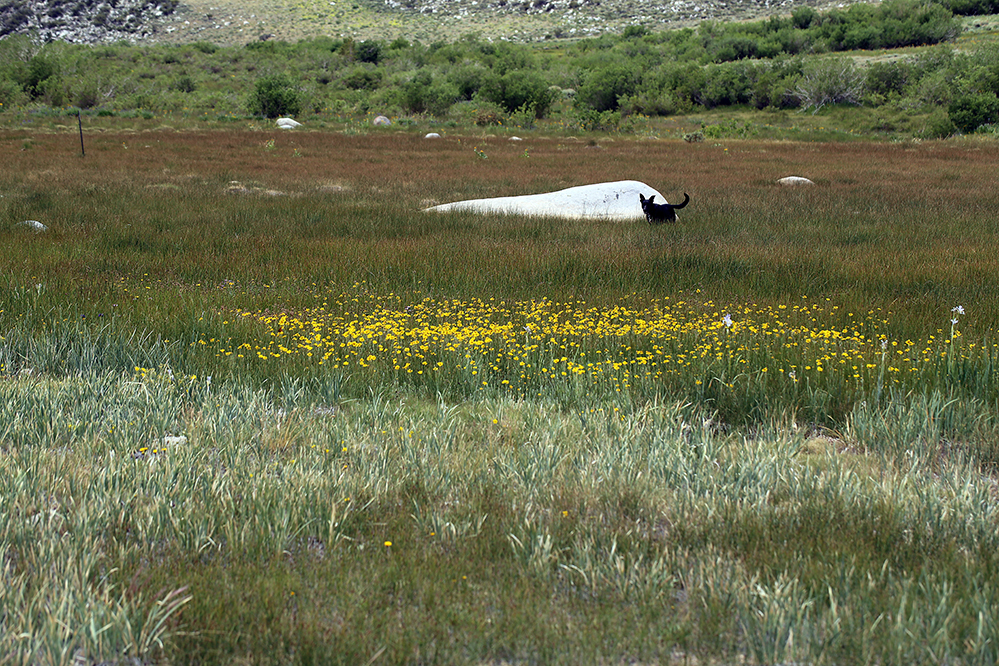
[[661, 213]]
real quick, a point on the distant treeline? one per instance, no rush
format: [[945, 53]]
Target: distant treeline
[[597, 83]]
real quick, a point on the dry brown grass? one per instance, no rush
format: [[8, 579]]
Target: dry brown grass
[[951, 175], [887, 225]]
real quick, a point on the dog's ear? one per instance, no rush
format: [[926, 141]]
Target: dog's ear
[[641, 197], [652, 198]]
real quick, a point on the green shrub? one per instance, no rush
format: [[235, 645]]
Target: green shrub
[[440, 97], [185, 84], [938, 125], [469, 79], [971, 111], [11, 92], [604, 89], [428, 94], [972, 7], [205, 47], [368, 51], [663, 103], [415, 95], [518, 89], [362, 78], [805, 17], [484, 113], [727, 84], [888, 79], [591, 120], [41, 73], [274, 96], [684, 81], [773, 87], [85, 95]]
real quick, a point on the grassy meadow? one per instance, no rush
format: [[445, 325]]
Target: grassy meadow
[[256, 406]]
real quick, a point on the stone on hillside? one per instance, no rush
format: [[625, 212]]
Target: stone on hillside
[[288, 123], [603, 201], [37, 226], [515, 138], [432, 135], [381, 121], [795, 180]]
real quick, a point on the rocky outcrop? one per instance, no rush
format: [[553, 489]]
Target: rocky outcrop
[[185, 21], [83, 21], [585, 15]]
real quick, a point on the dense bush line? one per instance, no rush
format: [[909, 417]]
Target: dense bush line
[[779, 63]]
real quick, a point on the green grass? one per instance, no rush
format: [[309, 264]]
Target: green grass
[[323, 426], [517, 531]]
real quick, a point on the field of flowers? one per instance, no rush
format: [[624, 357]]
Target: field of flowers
[[257, 407], [638, 348]]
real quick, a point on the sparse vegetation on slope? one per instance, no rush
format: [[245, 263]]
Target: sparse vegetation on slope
[[229, 22], [612, 83]]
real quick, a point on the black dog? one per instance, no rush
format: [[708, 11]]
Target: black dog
[[660, 213]]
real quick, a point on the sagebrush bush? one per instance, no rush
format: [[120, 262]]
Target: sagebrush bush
[[834, 81]]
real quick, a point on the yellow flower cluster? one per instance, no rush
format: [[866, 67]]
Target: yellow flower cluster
[[526, 344]]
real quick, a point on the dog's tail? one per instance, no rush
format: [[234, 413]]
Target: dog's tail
[[686, 199]]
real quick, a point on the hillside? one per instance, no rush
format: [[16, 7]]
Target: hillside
[[87, 21], [229, 22]]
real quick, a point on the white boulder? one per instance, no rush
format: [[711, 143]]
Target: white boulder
[[381, 121], [603, 201], [288, 123], [794, 180], [432, 135]]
